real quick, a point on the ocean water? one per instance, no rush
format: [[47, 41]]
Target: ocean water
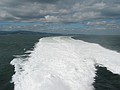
[[12, 45], [103, 77]]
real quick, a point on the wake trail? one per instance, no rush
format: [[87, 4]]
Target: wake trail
[[62, 63]]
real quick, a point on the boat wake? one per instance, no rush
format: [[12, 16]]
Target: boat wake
[[62, 63]]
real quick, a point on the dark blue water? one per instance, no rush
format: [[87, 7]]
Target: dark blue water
[[14, 43], [19, 42]]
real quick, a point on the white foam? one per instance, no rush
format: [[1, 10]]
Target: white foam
[[62, 63]]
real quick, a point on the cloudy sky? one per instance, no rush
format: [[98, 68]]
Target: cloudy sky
[[58, 10]]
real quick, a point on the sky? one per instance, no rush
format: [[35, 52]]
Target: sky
[[58, 10]]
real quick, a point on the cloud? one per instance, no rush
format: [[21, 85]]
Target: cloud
[[58, 10], [51, 19], [112, 11]]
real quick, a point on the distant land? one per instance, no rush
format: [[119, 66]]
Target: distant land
[[45, 33], [27, 32]]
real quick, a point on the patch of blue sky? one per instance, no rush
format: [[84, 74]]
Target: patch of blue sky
[[66, 26], [20, 23], [105, 19]]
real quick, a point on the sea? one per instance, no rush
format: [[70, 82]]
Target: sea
[[21, 44]]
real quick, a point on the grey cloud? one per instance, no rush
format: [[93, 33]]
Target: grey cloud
[[112, 11], [24, 1], [41, 1], [58, 10]]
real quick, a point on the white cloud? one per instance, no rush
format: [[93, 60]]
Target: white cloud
[[87, 15], [51, 18]]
